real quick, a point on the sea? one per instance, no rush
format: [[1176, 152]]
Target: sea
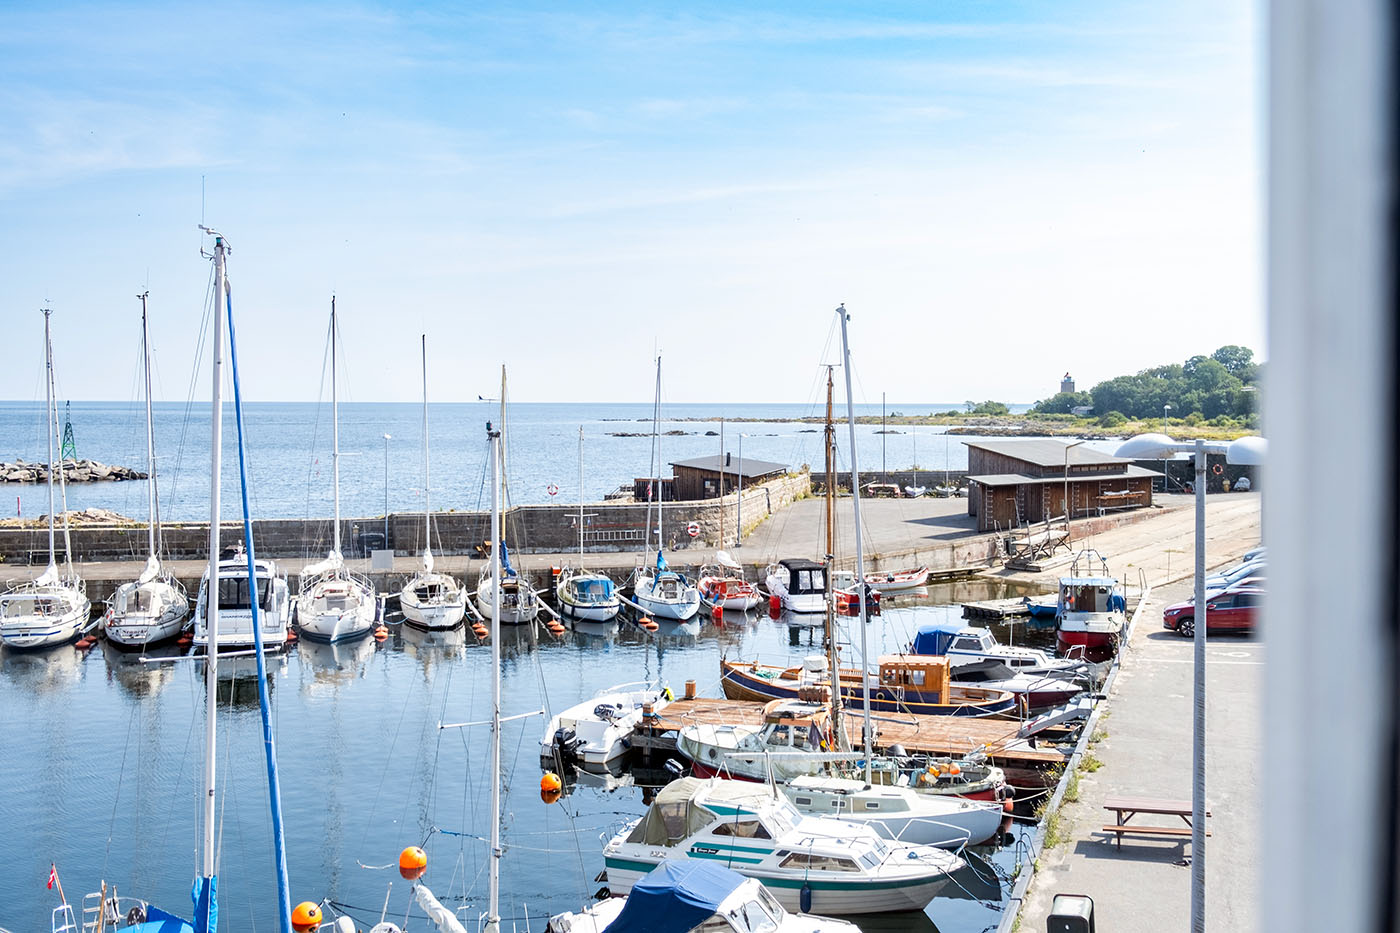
[[102, 759], [288, 448]]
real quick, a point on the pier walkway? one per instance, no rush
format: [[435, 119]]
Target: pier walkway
[[1145, 751]]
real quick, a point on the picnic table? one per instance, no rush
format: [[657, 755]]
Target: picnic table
[[1126, 808]]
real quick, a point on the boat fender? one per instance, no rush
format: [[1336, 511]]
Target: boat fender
[[667, 695], [804, 898]]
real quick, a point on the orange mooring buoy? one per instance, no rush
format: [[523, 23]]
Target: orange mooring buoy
[[306, 917], [413, 861]]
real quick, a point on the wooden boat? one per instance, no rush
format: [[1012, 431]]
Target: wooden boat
[[898, 581], [905, 683]]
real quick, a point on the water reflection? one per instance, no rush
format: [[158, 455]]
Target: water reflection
[[42, 671], [335, 663], [142, 673]]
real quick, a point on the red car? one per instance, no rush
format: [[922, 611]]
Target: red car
[[1230, 610]]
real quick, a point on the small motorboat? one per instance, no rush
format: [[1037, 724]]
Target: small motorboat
[[891, 582], [800, 585], [967, 644], [596, 731], [1032, 691], [722, 585]]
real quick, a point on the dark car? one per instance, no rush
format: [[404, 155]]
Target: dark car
[[1230, 610]]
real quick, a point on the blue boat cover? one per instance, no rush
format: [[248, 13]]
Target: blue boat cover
[[158, 921], [505, 562], [676, 896], [660, 561], [206, 904], [934, 637]]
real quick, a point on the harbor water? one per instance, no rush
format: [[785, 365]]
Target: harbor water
[[102, 758]]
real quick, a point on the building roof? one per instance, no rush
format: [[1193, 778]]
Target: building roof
[[1131, 471], [1046, 452], [716, 464]]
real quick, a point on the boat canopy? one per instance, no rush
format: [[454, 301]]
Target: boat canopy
[[677, 813], [593, 589], [676, 896], [936, 637]]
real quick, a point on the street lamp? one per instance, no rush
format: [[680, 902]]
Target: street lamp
[[1248, 451], [1067, 509], [386, 489], [1166, 483]]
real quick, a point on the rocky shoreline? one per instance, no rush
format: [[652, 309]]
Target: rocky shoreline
[[74, 471]]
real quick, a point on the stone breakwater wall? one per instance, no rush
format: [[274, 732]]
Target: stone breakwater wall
[[74, 471], [607, 526]]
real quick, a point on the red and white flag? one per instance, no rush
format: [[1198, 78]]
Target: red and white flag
[[53, 875]]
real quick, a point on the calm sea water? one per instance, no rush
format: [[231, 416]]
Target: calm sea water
[[289, 452], [102, 759]]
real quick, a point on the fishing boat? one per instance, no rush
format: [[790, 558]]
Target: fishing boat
[[1092, 609], [585, 596], [500, 587], [799, 584], [659, 591], [722, 585], [596, 732], [53, 609], [334, 604], [967, 644], [807, 863], [154, 607], [430, 599], [105, 909], [678, 896]]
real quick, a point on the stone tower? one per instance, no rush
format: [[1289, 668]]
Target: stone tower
[[1067, 383]]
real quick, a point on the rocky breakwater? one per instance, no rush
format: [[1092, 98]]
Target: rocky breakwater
[[74, 471]]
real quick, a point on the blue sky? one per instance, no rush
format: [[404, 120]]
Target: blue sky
[[999, 192]]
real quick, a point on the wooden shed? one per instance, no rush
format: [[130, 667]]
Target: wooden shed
[[1022, 481], [712, 477]]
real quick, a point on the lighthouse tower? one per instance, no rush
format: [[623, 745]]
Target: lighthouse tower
[[1067, 383]]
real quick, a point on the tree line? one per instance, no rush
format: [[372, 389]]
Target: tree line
[[1221, 386]]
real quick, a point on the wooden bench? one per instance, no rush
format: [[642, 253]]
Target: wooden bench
[[1125, 808]]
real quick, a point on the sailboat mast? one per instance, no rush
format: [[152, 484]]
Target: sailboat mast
[[49, 416], [860, 553], [656, 435], [150, 435], [427, 485], [493, 913], [211, 593], [580, 496], [833, 656], [335, 434], [721, 482]]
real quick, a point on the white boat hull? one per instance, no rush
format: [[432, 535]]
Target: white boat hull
[[677, 610], [518, 604], [602, 740], [137, 628], [444, 606], [30, 631], [329, 624]]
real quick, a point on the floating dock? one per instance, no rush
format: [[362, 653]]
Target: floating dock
[[995, 609], [918, 734]]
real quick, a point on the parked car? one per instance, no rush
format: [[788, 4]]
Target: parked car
[[1255, 553], [1242, 571], [1230, 610]]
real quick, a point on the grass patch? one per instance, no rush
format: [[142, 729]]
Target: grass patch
[[1090, 764], [1054, 830], [1072, 787], [1099, 735]]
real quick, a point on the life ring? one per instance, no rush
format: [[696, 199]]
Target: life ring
[[552, 489], [693, 529], [1217, 469]]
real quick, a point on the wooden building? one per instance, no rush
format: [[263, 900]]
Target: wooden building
[[1022, 481], [710, 478]]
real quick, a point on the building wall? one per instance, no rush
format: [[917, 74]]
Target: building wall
[[1009, 506]]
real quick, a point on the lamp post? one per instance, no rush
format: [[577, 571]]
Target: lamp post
[[1166, 482], [1067, 509], [1245, 450], [739, 517], [386, 489]]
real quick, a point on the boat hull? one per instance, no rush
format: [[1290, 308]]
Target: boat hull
[[675, 610], [33, 633], [1091, 646], [434, 615]]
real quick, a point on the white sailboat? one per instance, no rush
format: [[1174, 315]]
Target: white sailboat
[[154, 606], [501, 592], [53, 609], [585, 596], [430, 599], [661, 592], [334, 604]]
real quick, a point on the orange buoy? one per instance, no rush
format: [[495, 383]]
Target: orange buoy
[[549, 796], [306, 917], [413, 861], [717, 614], [291, 634], [550, 782], [775, 606]]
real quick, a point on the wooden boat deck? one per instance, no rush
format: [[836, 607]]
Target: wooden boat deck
[[934, 735]]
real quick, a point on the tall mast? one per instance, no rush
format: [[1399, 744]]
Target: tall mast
[[427, 485], [150, 433], [721, 482], [49, 416], [493, 913], [833, 656], [656, 433], [580, 496], [335, 434], [860, 554], [211, 592]]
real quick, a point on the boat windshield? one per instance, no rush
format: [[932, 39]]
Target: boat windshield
[[593, 591], [17, 606], [233, 592], [755, 918]]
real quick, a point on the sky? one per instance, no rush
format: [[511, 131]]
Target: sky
[[997, 192]]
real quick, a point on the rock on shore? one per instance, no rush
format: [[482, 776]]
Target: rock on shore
[[74, 471]]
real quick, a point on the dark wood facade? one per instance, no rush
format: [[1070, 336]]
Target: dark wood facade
[[1016, 483], [709, 478]]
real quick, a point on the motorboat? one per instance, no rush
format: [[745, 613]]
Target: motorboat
[[897, 811], [722, 585], [1092, 609], [691, 894], [844, 868], [904, 683], [1032, 691], [799, 584], [844, 592], [596, 732], [968, 644], [236, 606], [587, 596]]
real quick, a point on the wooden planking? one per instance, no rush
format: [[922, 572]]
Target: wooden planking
[[995, 609], [935, 735]]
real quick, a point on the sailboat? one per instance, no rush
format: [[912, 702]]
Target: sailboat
[[585, 596], [105, 909], [661, 592], [334, 604], [53, 609], [430, 599], [154, 606], [501, 593]]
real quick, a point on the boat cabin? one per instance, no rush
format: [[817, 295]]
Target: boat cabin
[[689, 806], [797, 726], [593, 590], [804, 577], [1090, 594], [915, 673]]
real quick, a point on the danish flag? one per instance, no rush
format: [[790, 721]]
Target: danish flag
[[53, 875]]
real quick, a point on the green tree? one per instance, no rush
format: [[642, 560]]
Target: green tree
[[1062, 403], [1234, 358]]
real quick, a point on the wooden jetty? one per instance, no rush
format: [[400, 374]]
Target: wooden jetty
[[995, 609], [918, 734]]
